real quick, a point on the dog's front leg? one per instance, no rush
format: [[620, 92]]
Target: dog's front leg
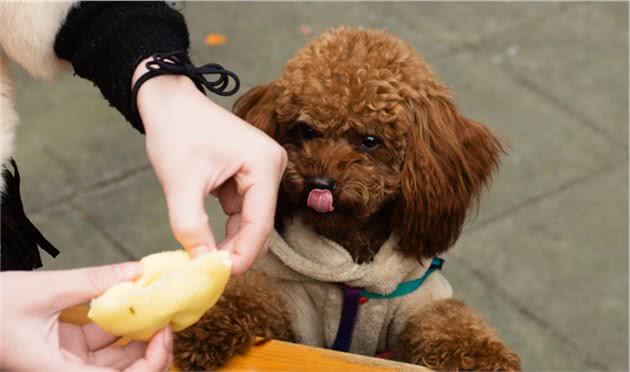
[[449, 336], [249, 307]]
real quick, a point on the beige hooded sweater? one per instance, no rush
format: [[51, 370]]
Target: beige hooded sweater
[[308, 268]]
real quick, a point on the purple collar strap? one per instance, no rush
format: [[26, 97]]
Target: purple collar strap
[[351, 298]]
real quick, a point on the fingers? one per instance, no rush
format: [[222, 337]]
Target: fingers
[[188, 218], [250, 201], [159, 354], [72, 287], [231, 229], [232, 225], [231, 202], [96, 338], [84, 340], [137, 356], [71, 338], [229, 197], [117, 357], [256, 224], [71, 363]]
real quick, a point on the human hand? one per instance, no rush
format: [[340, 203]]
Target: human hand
[[33, 338], [198, 148]]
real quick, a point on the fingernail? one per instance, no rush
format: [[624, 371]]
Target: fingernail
[[130, 270], [199, 250]]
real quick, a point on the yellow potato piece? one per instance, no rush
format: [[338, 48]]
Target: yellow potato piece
[[173, 289]]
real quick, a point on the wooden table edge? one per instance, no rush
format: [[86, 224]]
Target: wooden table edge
[[274, 355]]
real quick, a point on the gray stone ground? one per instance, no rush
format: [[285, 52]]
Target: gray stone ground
[[546, 259]]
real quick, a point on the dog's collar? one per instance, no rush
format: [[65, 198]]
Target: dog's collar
[[353, 297], [405, 288]]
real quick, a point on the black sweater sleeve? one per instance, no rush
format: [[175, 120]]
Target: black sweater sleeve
[[104, 41]]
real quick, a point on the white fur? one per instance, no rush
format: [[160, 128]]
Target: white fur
[[28, 35], [8, 116]]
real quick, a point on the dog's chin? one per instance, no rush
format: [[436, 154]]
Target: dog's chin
[[323, 221], [340, 217], [344, 212]]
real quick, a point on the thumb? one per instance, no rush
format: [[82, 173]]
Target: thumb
[[189, 220], [73, 287], [159, 354]]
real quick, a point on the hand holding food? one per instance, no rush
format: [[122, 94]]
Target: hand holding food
[[173, 290]]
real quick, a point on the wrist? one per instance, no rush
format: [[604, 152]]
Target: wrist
[[166, 84], [157, 92], [165, 81]]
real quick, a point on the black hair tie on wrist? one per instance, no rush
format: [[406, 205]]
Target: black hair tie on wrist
[[171, 64]]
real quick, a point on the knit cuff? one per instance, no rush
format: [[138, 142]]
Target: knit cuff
[[105, 41]]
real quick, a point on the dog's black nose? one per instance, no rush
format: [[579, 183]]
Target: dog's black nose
[[324, 183]]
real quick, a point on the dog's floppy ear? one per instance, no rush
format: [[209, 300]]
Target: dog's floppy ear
[[448, 161], [257, 107]]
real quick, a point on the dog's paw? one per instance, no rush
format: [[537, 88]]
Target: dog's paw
[[212, 341], [444, 355], [449, 336], [502, 360], [248, 308]]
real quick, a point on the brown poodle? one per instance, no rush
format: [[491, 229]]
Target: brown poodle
[[382, 172]]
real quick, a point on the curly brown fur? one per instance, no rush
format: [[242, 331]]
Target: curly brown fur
[[448, 336], [248, 308], [428, 169]]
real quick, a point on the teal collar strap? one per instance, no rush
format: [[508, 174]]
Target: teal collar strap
[[405, 288]]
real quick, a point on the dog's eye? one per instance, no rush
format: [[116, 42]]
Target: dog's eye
[[308, 133], [369, 143], [304, 132]]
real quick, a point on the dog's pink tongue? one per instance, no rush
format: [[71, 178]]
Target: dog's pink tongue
[[320, 200]]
